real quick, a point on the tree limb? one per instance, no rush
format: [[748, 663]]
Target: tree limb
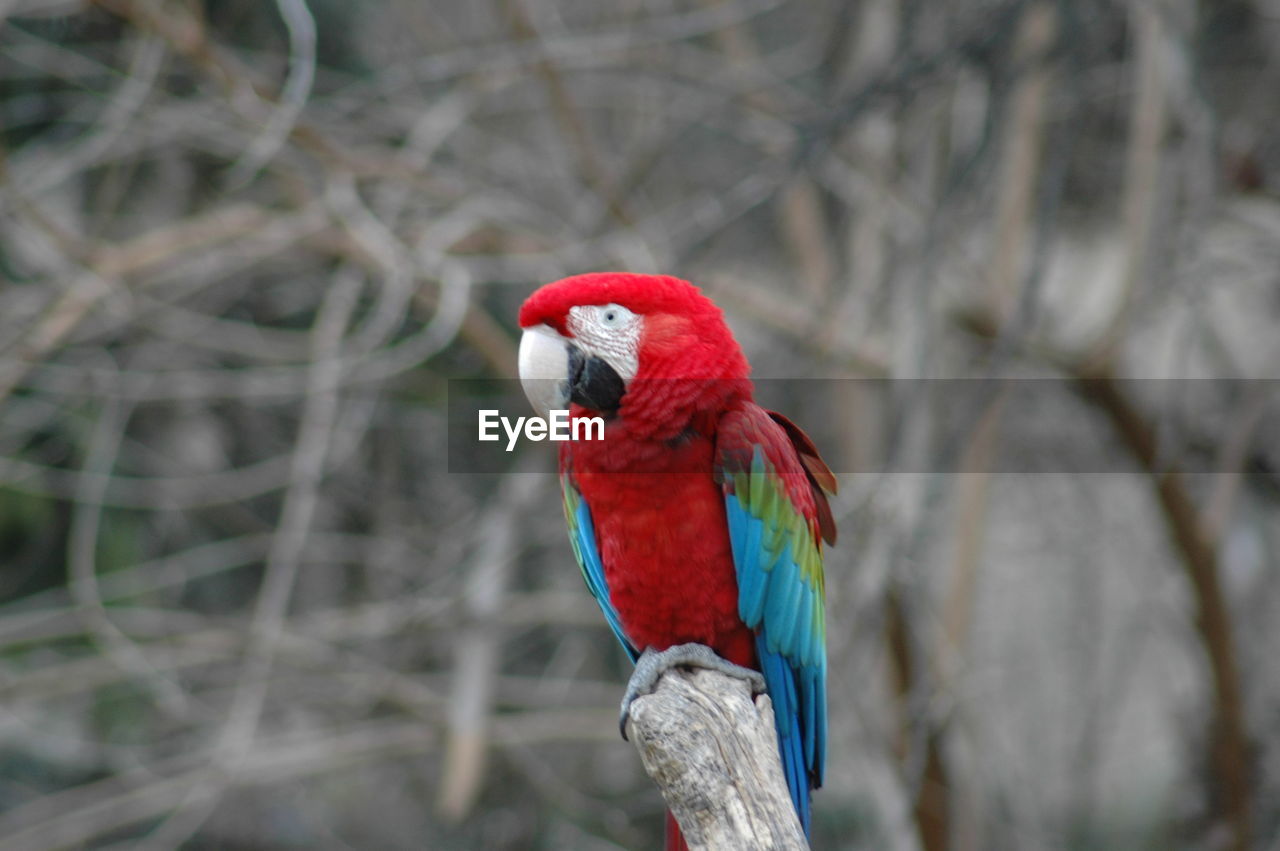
[[714, 754], [1229, 749], [1193, 537]]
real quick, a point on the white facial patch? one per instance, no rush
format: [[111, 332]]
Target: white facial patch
[[611, 332]]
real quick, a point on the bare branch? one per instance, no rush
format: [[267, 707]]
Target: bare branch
[[477, 653], [293, 95]]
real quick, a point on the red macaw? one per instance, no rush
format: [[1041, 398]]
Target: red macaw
[[698, 519]]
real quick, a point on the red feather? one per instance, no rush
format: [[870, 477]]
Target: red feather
[[821, 479]]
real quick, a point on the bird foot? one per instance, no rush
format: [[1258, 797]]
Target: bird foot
[[652, 664]]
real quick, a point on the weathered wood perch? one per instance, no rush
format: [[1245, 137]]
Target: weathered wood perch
[[713, 752]]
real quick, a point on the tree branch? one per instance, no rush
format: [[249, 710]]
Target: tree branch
[[714, 754], [1229, 735], [1194, 540]]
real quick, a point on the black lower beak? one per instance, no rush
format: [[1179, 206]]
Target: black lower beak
[[594, 384]]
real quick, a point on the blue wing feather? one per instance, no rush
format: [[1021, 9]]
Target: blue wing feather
[[582, 536], [780, 679], [780, 608], [804, 626], [752, 582]]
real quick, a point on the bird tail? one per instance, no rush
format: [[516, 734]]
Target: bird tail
[[675, 839]]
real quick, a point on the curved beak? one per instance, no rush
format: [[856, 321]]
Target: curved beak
[[555, 371], [544, 369]]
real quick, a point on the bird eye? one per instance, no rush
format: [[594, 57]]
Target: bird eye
[[614, 315]]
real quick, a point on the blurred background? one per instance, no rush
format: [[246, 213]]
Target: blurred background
[[248, 248]]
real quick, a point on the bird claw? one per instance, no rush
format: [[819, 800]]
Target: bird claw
[[652, 664]]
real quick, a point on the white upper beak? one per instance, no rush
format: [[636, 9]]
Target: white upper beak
[[544, 369]]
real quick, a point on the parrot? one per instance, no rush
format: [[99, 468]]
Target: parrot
[[698, 519]]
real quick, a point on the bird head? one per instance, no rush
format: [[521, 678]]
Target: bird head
[[628, 345]]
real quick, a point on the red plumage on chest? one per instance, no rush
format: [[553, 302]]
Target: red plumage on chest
[[665, 548]]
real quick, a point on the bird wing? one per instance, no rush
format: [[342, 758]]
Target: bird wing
[[775, 489], [582, 536]]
